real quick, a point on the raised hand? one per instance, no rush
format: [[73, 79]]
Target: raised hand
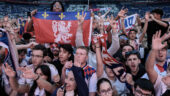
[[96, 41], [28, 73], [129, 79], [157, 42], [32, 44], [77, 63], [101, 24], [122, 12], [60, 92], [81, 18], [152, 17], [113, 25], [68, 64], [147, 15], [33, 12], [9, 71]]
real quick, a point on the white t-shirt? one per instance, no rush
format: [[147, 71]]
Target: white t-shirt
[[159, 86], [92, 82], [53, 70], [39, 92]]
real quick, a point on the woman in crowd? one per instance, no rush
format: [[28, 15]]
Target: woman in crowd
[[75, 84], [104, 87], [65, 54], [41, 72], [56, 6], [45, 73]]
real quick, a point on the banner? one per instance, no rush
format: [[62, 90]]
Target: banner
[[101, 9], [10, 56], [129, 22], [60, 27], [111, 62]]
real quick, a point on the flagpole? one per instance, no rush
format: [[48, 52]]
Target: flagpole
[[88, 4]]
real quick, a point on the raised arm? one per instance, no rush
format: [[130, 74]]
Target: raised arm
[[158, 21], [104, 15], [100, 68], [23, 46], [13, 81], [30, 22], [79, 34], [156, 45], [145, 27], [123, 26], [165, 36], [121, 13], [115, 40], [29, 74]]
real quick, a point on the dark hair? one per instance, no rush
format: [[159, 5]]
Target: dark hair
[[145, 84], [62, 6], [69, 49], [48, 53], [2, 56], [40, 47], [100, 81], [22, 50], [128, 45], [132, 30], [158, 11], [46, 71], [27, 36], [134, 52]]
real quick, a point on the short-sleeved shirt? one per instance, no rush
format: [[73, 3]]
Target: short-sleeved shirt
[[53, 70], [90, 77]]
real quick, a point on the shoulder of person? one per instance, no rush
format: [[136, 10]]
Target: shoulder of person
[[50, 65]]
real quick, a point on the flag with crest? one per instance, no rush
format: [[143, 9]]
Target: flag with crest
[[60, 27]]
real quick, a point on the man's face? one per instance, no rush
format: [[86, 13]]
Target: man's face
[[126, 49], [109, 72], [140, 92], [81, 55], [37, 57], [157, 16], [21, 56], [133, 62], [132, 35], [161, 55]]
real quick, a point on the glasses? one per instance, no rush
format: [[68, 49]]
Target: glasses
[[108, 91], [36, 56], [139, 93]]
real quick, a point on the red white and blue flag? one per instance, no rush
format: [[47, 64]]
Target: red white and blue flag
[[60, 27], [10, 55]]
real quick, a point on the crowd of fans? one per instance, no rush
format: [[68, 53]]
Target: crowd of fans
[[53, 69]]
